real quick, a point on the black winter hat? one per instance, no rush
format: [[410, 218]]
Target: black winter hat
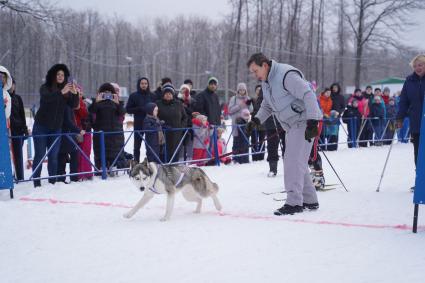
[[168, 87], [150, 107]]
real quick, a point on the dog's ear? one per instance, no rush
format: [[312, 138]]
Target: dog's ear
[[133, 163], [150, 169], [145, 161]]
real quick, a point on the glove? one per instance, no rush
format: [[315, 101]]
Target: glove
[[312, 130], [253, 124]]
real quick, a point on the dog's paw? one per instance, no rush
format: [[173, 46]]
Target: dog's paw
[[127, 215], [197, 211], [163, 219]]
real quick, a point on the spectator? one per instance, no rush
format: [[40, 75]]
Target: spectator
[[207, 103], [386, 95], [332, 126], [377, 114], [7, 84], [257, 137], [325, 102], [84, 122], [412, 99], [109, 112], [338, 104], [172, 112], [241, 101], [352, 118], [136, 105], [154, 135], [186, 99], [390, 121], [201, 138], [55, 95], [158, 92], [189, 83], [18, 128], [68, 151], [366, 128], [241, 141]]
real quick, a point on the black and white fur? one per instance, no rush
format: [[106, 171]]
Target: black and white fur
[[154, 179]]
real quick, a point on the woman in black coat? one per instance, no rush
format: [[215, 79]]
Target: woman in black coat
[[55, 95], [172, 112], [107, 111]]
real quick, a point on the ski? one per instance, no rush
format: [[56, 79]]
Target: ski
[[326, 189], [279, 199], [282, 192], [273, 193]]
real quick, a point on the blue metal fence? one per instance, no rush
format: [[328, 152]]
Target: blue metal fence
[[353, 138]]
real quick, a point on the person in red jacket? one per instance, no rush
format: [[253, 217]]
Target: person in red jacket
[[83, 122]]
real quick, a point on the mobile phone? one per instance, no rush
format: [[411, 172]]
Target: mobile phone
[[108, 95], [71, 80]]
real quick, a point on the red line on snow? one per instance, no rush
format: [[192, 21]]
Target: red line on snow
[[243, 216]]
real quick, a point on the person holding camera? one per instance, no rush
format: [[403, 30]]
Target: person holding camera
[[58, 92], [288, 96], [108, 111]]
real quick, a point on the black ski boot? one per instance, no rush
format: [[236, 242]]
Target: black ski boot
[[288, 209], [311, 206], [273, 169]]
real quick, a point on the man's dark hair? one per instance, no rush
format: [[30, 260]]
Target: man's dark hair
[[258, 59], [378, 88], [166, 80], [188, 81]]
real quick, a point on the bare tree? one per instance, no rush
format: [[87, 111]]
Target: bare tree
[[368, 18]]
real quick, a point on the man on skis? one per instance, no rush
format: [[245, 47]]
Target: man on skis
[[289, 97]]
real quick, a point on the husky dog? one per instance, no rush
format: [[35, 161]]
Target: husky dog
[[153, 179]]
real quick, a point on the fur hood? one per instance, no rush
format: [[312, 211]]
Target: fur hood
[[51, 73], [5, 93]]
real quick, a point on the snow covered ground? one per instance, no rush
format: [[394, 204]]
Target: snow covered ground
[[76, 233]]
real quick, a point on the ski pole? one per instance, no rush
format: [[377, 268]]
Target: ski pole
[[385, 165], [342, 183]]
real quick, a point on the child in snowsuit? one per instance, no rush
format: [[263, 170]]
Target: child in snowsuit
[[241, 142], [332, 127], [201, 138], [377, 113]]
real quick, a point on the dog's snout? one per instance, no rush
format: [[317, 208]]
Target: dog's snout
[[142, 188]]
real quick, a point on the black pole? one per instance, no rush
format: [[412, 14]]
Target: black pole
[[342, 183], [415, 218], [11, 193]]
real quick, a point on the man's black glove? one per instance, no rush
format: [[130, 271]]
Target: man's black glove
[[253, 124], [312, 130]]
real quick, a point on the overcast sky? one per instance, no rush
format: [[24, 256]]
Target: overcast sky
[[146, 10]]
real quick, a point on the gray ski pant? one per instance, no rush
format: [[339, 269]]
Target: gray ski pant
[[298, 183]]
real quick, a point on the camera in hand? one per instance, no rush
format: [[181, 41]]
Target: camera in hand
[[108, 95]]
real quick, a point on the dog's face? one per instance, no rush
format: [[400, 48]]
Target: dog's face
[[140, 174]]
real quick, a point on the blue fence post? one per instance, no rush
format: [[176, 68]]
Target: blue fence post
[[6, 179], [102, 154], [419, 195], [351, 140], [215, 144]]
